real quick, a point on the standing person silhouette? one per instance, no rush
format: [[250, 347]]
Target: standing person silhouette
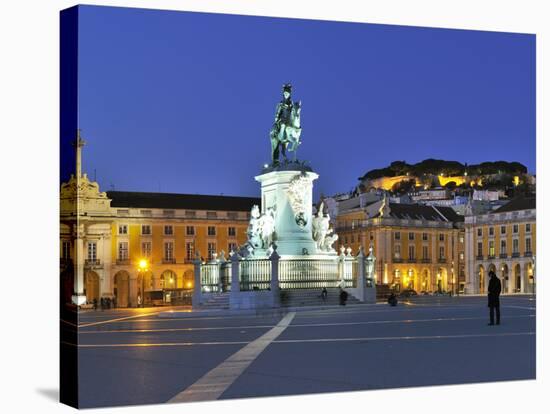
[[493, 296]]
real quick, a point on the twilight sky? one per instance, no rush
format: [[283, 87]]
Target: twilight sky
[[183, 102]]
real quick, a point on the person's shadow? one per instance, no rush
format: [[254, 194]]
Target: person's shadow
[[49, 393]]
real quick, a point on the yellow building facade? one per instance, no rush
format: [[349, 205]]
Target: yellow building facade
[[417, 247], [138, 248], [503, 241]]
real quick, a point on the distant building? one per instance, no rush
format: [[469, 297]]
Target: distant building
[[502, 241], [431, 194], [131, 246], [417, 246], [488, 195]]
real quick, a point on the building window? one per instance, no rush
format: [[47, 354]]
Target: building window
[[190, 250], [232, 247], [168, 250], [491, 231], [479, 232], [123, 250], [411, 236], [168, 213], [502, 229], [371, 236], [211, 250], [146, 213], [397, 251], [66, 251], [146, 249], [168, 230], [528, 245], [122, 229], [211, 214], [491, 248], [515, 246], [441, 253], [528, 228], [190, 230], [441, 237], [461, 239], [425, 252], [211, 230], [461, 256], [397, 235], [232, 215], [503, 247], [92, 251], [231, 231], [190, 214], [425, 236], [146, 229], [480, 249], [411, 252], [515, 229]]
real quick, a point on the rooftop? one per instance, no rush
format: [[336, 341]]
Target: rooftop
[[129, 199], [424, 212], [519, 203]]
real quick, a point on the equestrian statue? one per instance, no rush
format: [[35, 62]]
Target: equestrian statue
[[286, 130]]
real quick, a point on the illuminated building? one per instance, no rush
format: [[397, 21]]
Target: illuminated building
[[502, 241], [138, 248], [417, 246]]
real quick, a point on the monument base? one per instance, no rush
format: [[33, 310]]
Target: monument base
[[78, 299]]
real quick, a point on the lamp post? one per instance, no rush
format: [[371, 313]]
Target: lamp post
[[534, 278], [452, 277], [142, 268]]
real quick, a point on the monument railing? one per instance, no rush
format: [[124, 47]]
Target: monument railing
[[309, 274], [225, 277], [260, 274], [210, 277], [255, 274]]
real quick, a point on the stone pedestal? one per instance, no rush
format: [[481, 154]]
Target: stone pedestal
[[289, 193]]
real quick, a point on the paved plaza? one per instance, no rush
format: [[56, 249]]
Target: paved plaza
[[136, 356]]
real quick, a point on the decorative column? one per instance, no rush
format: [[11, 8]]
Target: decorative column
[[107, 282], [361, 274], [78, 297], [197, 288], [275, 276], [341, 259], [368, 270], [235, 282]]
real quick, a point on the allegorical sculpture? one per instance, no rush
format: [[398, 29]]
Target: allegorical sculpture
[[261, 229], [286, 130], [323, 235], [296, 193]]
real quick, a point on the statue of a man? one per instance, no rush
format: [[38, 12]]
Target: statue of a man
[[286, 128]]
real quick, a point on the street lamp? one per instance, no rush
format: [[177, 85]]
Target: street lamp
[[452, 277], [534, 278], [142, 268]]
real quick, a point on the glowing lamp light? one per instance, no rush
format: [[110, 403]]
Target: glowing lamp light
[[142, 264]]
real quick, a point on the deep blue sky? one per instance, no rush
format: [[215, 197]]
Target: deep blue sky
[[183, 102]]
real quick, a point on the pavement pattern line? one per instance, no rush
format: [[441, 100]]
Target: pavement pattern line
[[290, 341], [212, 385], [392, 338], [297, 325], [117, 319], [519, 307]]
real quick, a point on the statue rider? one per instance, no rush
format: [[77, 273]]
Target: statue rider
[[283, 117]]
